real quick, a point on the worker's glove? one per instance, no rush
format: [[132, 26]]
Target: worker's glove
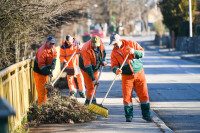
[[51, 75], [79, 48], [104, 64], [119, 71], [52, 67], [95, 83], [64, 62], [130, 50]]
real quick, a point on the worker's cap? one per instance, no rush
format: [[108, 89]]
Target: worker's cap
[[69, 38], [51, 40], [114, 38], [95, 40]]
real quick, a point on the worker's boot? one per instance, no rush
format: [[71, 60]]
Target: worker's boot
[[73, 94], [82, 94], [87, 101], [128, 113], [94, 100], [146, 112]]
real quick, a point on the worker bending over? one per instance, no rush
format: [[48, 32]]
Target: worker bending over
[[132, 74], [44, 63], [92, 57]]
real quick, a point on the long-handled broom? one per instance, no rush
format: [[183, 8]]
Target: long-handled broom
[[51, 86], [98, 108], [95, 88]]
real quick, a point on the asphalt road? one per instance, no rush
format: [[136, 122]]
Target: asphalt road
[[174, 88]]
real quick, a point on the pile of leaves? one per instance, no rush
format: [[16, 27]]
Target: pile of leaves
[[59, 109]]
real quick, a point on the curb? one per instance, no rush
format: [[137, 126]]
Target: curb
[[156, 119], [166, 51], [194, 58]]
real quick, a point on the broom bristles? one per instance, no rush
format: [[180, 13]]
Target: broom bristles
[[98, 109]]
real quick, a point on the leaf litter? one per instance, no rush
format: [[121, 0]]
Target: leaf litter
[[59, 109]]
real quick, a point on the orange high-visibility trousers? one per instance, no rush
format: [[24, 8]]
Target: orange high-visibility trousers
[[72, 85], [40, 81], [138, 80], [81, 84], [88, 83]]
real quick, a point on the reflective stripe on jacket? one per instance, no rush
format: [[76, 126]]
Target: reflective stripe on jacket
[[66, 51]]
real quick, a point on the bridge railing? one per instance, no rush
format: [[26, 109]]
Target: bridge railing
[[17, 85]]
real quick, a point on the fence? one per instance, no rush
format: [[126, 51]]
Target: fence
[[17, 85]]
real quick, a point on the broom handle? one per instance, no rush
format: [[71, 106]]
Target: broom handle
[[114, 80], [63, 69], [96, 85]]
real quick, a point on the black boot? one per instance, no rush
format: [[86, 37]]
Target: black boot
[[128, 113], [82, 94], [87, 101], [146, 112], [72, 94]]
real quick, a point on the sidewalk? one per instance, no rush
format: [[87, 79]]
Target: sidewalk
[[115, 123], [172, 52]]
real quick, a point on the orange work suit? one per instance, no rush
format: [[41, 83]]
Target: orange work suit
[[66, 52], [40, 81], [88, 60], [44, 59], [132, 71]]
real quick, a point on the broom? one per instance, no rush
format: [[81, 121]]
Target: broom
[[95, 88], [98, 108]]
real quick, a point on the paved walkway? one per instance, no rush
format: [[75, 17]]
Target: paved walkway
[[116, 121], [114, 124], [172, 52]]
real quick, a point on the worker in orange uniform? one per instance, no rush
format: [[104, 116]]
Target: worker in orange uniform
[[132, 74], [66, 51], [92, 56], [44, 63]]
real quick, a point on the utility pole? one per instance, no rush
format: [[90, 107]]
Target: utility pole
[[156, 10], [190, 16]]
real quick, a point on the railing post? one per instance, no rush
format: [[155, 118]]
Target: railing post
[[1, 87]]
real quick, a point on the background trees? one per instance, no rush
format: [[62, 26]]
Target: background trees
[[176, 12], [120, 13], [24, 25]]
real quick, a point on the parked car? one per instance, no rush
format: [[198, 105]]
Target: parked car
[[97, 33], [86, 37]]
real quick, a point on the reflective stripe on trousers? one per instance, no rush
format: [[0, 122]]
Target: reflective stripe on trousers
[[72, 85]]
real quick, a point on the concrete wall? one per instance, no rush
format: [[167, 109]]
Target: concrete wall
[[187, 44], [163, 41]]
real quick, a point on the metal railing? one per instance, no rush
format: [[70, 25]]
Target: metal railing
[[17, 85]]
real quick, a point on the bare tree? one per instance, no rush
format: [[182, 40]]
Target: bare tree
[[120, 12], [25, 24]]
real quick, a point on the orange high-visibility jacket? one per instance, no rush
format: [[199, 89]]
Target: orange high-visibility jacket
[[133, 63], [66, 51], [88, 55], [44, 58]]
